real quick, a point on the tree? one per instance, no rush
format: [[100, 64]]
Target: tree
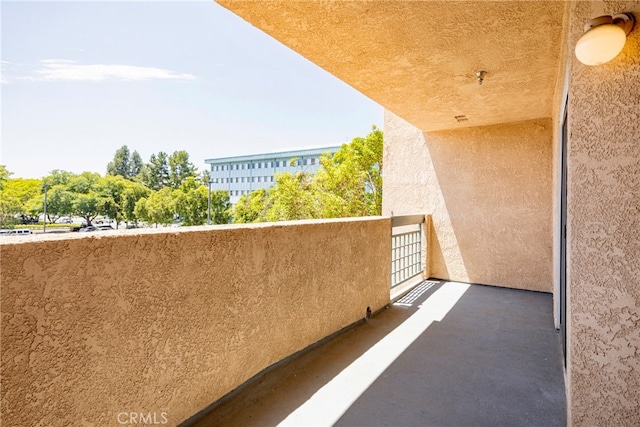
[[192, 203], [18, 200], [293, 197], [158, 208], [87, 206], [135, 165], [4, 175], [84, 183], [59, 202], [133, 192], [251, 207], [29, 192], [33, 207], [111, 189], [220, 207], [205, 177], [120, 165], [180, 168], [57, 177], [59, 197], [125, 164], [88, 196], [155, 174], [349, 183], [9, 202], [9, 208]]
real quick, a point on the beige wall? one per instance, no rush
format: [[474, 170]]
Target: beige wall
[[489, 190], [170, 321], [604, 230]]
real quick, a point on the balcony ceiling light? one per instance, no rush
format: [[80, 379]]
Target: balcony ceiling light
[[604, 38]]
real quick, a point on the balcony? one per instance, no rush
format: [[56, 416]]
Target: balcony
[[156, 325], [445, 354]]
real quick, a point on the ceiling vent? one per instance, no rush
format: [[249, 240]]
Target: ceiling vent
[[462, 118]]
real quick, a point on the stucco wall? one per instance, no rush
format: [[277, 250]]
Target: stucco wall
[[604, 230], [489, 191], [168, 322]]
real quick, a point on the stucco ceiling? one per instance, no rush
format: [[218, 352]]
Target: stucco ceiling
[[419, 58]]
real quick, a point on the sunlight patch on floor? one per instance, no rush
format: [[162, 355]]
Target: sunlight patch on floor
[[330, 402]]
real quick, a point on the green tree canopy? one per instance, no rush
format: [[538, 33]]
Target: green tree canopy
[[251, 207], [120, 163], [205, 177], [59, 196], [9, 208], [192, 202], [112, 191], [348, 184], [23, 189], [9, 202], [89, 197], [125, 164], [4, 175], [180, 168], [158, 208], [294, 196], [133, 192], [220, 207], [135, 165], [59, 202], [155, 174], [57, 177], [20, 200]]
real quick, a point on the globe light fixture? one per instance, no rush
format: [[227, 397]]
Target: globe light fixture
[[604, 38]]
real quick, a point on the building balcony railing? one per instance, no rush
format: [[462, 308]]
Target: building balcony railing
[[407, 249]]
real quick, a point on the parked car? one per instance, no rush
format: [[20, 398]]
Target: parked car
[[88, 229], [16, 232], [104, 227]]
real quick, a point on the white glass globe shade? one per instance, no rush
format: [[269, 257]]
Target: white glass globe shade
[[600, 44]]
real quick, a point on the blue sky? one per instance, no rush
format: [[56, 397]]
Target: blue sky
[[81, 79]]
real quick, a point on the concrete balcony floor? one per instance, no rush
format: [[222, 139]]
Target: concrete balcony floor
[[446, 354]]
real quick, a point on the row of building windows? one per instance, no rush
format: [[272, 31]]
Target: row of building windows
[[242, 179], [260, 165]]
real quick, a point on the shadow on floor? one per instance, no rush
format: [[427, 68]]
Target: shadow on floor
[[490, 358]]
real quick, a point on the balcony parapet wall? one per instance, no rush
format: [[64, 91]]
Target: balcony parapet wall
[[163, 323]]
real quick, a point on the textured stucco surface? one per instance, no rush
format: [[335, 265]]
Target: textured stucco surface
[[170, 321], [419, 58], [489, 192], [604, 230]]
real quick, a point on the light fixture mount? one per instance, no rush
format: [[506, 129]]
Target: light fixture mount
[[480, 76], [626, 21]]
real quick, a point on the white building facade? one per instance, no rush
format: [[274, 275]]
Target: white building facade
[[241, 175]]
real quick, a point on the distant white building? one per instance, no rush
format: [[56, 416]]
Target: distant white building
[[243, 174]]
